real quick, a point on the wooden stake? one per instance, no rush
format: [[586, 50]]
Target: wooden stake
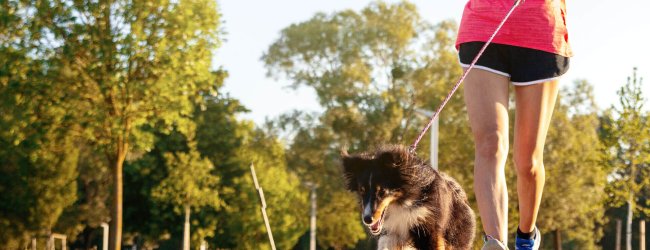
[[260, 192]]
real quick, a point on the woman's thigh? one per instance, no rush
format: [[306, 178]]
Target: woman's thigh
[[533, 110], [486, 97]]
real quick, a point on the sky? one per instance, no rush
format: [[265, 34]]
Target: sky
[[608, 39]]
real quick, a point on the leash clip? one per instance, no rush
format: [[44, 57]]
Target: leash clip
[[412, 149]]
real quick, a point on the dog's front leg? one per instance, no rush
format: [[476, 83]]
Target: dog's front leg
[[440, 242]]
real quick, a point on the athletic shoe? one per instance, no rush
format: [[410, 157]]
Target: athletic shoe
[[529, 244], [490, 243]]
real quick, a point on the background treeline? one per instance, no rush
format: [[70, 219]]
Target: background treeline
[[111, 112]]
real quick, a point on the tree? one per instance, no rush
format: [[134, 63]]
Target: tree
[[576, 176], [189, 185], [627, 138], [124, 64], [38, 157], [370, 69]]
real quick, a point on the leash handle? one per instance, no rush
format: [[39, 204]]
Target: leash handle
[[414, 146]]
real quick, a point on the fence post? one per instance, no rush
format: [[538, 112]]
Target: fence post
[[642, 235], [105, 236], [312, 220]]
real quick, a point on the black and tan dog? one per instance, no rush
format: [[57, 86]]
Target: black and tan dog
[[407, 203]]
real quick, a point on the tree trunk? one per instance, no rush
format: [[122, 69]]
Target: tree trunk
[[618, 234], [116, 158], [115, 235], [628, 223], [558, 239], [186, 229]]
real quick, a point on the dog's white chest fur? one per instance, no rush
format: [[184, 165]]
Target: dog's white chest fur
[[399, 221], [390, 242]]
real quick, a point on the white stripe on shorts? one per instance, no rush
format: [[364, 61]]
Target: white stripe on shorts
[[486, 69], [536, 81]]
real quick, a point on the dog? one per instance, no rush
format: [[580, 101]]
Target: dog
[[406, 203]]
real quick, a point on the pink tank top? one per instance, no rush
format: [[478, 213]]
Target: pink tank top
[[535, 24]]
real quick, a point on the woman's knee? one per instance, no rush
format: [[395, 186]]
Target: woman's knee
[[491, 144], [529, 163]]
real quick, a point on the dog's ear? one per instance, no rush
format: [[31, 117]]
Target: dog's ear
[[392, 156], [352, 166]]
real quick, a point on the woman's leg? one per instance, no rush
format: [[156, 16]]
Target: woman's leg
[[534, 107], [486, 97]]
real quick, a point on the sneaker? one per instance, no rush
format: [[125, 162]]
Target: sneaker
[[526, 244], [491, 243]]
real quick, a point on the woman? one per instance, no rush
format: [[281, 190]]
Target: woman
[[531, 52]]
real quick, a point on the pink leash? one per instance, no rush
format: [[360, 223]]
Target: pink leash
[[453, 90]]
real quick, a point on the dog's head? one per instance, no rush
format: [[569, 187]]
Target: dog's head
[[380, 179]]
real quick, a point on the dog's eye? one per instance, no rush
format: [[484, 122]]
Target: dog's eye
[[383, 192]]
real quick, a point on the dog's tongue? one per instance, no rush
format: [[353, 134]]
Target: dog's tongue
[[375, 227]]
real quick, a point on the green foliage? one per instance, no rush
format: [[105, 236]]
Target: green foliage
[[90, 208], [137, 63], [627, 138], [188, 183], [119, 65], [38, 157], [36, 185], [151, 220], [188, 186]]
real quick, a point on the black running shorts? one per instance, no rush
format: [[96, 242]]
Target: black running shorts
[[523, 66]]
